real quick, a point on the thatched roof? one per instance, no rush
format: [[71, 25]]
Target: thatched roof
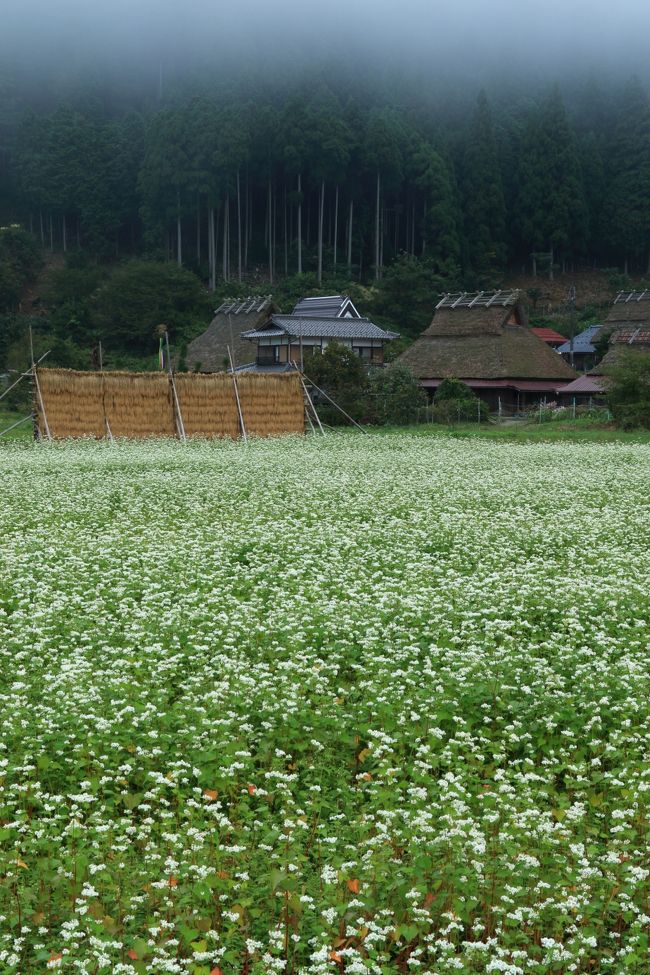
[[629, 307], [209, 352], [627, 326], [476, 338]]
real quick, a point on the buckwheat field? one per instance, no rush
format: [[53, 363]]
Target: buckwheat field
[[354, 705]]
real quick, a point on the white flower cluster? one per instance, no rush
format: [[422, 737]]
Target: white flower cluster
[[354, 704]]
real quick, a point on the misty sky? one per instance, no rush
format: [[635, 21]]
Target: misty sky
[[451, 37]]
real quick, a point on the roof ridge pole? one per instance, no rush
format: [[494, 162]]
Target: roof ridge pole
[[234, 379], [180, 426], [462, 295], [475, 299]]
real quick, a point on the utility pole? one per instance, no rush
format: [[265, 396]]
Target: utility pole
[[571, 298]]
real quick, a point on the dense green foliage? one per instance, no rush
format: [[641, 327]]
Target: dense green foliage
[[20, 259], [234, 178], [628, 390], [361, 704], [454, 402], [396, 396]]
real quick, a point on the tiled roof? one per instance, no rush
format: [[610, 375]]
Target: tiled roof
[[327, 306], [327, 328], [549, 335], [584, 384], [583, 343]]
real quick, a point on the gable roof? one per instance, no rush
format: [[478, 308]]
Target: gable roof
[[588, 383], [209, 351], [327, 328], [484, 336], [583, 343], [328, 306]]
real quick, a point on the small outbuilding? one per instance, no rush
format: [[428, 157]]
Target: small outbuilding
[[484, 339]]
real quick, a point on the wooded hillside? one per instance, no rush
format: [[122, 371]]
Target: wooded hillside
[[236, 178]]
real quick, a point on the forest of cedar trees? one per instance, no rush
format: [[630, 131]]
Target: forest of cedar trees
[[242, 185]]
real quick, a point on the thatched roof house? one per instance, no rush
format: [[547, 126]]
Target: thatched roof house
[[628, 325], [628, 329], [485, 340], [209, 351]]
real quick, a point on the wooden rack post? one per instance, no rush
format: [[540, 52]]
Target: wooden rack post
[[241, 417], [179, 416]]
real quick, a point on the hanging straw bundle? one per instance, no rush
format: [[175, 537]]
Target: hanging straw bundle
[[207, 403], [72, 402], [139, 404], [272, 405]]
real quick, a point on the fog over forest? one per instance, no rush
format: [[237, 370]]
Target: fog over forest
[[466, 41], [420, 147]]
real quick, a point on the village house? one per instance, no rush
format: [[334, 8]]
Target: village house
[[209, 351], [288, 339], [627, 328], [580, 352], [484, 339]]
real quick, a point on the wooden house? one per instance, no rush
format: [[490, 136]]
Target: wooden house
[[287, 339], [209, 351], [627, 327], [485, 340], [580, 352]]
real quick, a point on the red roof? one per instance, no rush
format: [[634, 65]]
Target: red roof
[[523, 385], [549, 335], [584, 384]]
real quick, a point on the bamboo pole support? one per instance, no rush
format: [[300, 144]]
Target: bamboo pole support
[[179, 416], [23, 375], [308, 403], [234, 379], [17, 424], [42, 404], [336, 405]]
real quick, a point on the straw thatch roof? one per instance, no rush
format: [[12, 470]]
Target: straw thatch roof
[[628, 326], [629, 307], [483, 336], [209, 351]]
